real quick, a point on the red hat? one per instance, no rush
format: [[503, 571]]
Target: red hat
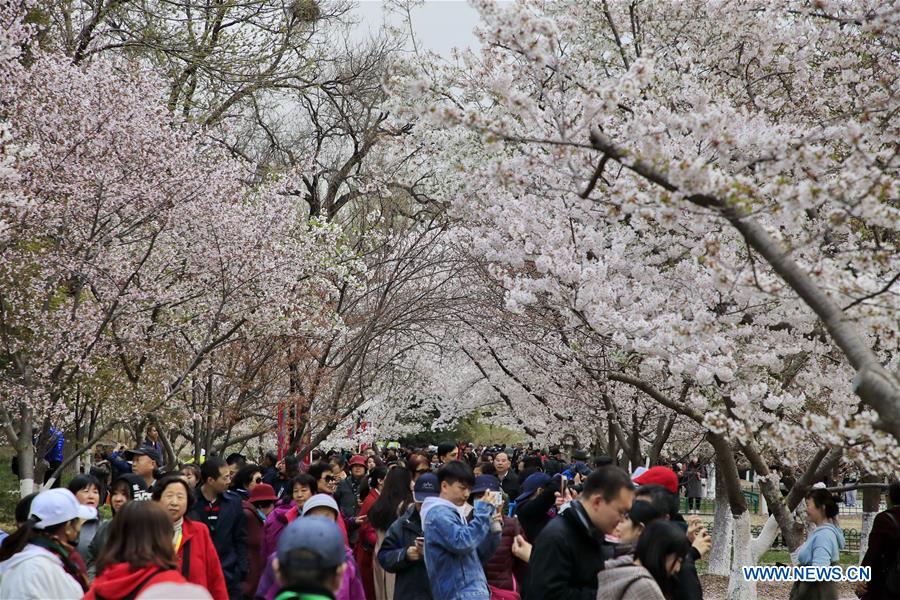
[[663, 476], [263, 492], [358, 460]]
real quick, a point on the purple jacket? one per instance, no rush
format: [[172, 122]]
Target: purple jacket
[[275, 523], [351, 585]]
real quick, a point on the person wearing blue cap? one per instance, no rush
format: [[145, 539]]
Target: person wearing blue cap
[[311, 559], [454, 549], [403, 546], [535, 505]]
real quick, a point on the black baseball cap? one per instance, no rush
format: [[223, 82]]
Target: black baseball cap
[[427, 486], [143, 451]]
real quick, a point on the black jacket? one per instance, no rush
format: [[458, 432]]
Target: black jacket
[[687, 582], [284, 488], [510, 484], [566, 558], [270, 476], [412, 576], [532, 513], [347, 496], [228, 529], [553, 466], [884, 544]]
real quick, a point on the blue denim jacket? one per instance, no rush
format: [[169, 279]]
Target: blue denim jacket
[[454, 549]]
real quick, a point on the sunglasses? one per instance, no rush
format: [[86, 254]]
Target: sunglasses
[[330, 479]]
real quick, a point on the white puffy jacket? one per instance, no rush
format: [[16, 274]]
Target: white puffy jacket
[[35, 573]]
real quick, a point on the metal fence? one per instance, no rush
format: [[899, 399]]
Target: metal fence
[[708, 505], [851, 537]]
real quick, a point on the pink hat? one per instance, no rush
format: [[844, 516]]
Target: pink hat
[[663, 476], [357, 460]]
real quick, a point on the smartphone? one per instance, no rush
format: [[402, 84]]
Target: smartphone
[[563, 485]]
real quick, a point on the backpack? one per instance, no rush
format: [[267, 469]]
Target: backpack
[[892, 572]]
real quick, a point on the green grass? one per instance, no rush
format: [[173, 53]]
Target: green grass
[[9, 491]]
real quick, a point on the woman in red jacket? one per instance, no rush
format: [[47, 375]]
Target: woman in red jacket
[[364, 551], [137, 554], [197, 557]]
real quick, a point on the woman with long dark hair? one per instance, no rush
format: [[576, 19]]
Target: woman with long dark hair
[[394, 499], [137, 554], [38, 560], [651, 574]]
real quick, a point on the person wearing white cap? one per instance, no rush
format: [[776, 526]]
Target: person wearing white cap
[[38, 560]]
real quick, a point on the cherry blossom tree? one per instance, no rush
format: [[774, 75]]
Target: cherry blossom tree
[[708, 190], [132, 251], [553, 114]]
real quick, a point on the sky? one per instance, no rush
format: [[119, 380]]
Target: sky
[[440, 25]]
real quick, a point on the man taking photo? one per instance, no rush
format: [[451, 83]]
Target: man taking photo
[[569, 552], [454, 549]]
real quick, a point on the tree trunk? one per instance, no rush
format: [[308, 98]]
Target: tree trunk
[[25, 451], [598, 447], [636, 458], [611, 437], [766, 538], [663, 431], [171, 458], [727, 471], [723, 522], [195, 420], [41, 447], [738, 587], [871, 500]]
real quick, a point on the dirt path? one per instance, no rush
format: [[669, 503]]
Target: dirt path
[[715, 588]]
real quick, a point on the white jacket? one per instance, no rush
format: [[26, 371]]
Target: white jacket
[[36, 574]]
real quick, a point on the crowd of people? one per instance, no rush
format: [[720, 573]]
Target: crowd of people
[[451, 522]]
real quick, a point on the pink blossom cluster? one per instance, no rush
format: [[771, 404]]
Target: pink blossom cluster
[[779, 110], [132, 250]]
